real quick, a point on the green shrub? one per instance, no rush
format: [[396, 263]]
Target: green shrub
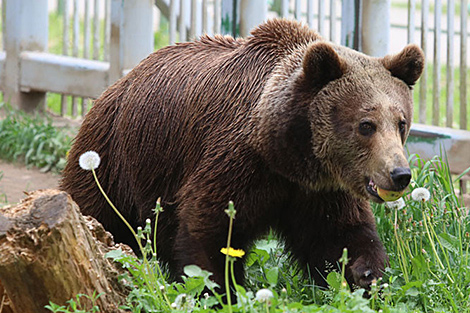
[[33, 139]]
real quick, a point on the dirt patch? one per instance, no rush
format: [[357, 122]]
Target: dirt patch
[[18, 179]]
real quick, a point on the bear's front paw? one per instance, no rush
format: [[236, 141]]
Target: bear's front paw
[[364, 273]]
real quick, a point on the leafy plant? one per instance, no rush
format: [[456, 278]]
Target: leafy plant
[[76, 305], [33, 140], [426, 235]]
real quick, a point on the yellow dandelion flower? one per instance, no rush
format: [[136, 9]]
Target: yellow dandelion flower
[[237, 253]]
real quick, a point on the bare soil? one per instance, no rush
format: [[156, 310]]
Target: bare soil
[[16, 179]]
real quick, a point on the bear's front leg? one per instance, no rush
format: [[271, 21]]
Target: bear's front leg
[[367, 256], [320, 225]]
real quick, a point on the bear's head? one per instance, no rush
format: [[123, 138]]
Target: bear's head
[[330, 117]]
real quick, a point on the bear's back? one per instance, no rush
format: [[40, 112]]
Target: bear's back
[[153, 127]]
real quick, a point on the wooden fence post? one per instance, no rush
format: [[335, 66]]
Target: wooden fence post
[[26, 29], [229, 22], [376, 27], [252, 13], [131, 35], [350, 23]]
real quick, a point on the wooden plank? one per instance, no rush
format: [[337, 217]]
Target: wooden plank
[[75, 32], [25, 27], [137, 31], [436, 62], [450, 64], [310, 14], [172, 22], [86, 46], [116, 50], [205, 16], [65, 51], [428, 141], [411, 20], [48, 72], [423, 79], [298, 10], [96, 30], [333, 21], [182, 21], [321, 17], [192, 29], [217, 16], [107, 29], [463, 65]]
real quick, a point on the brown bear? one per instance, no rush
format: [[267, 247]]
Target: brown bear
[[298, 132]]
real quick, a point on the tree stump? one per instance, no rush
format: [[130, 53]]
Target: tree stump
[[50, 252]]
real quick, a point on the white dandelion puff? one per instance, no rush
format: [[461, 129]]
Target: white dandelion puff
[[183, 302], [89, 160], [263, 295], [420, 194], [397, 204]]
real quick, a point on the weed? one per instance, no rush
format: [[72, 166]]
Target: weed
[[76, 305], [426, 235], [33, 140]]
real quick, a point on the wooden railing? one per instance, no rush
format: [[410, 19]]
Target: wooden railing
[[103, 39]]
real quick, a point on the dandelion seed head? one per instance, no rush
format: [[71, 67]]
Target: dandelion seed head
[[183, 302], [148, 221], [89, 160], [397, 204], [263, 295], [420, 194]]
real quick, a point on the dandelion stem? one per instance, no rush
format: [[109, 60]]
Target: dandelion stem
[[227, 258], [433, 246], [117, 211], [144, 257], [400, 250]]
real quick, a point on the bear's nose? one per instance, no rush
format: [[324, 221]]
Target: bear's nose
[[401, 177]]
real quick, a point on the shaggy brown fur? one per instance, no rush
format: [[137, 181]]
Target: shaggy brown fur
[[294, 129]]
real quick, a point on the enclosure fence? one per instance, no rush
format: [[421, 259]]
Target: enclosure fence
[[69, 51]]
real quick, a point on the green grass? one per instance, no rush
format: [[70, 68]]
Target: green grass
[[33, 140], [427, 241]]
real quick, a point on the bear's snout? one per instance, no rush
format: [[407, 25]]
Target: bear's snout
[[401, 177]]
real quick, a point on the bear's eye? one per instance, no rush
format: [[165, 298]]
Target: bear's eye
[[367, 128], [402, 126]]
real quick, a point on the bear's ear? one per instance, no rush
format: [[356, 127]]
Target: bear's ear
[[406, 65], [321, 65]]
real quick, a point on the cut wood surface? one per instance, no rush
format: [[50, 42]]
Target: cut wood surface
[[50, 252]]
